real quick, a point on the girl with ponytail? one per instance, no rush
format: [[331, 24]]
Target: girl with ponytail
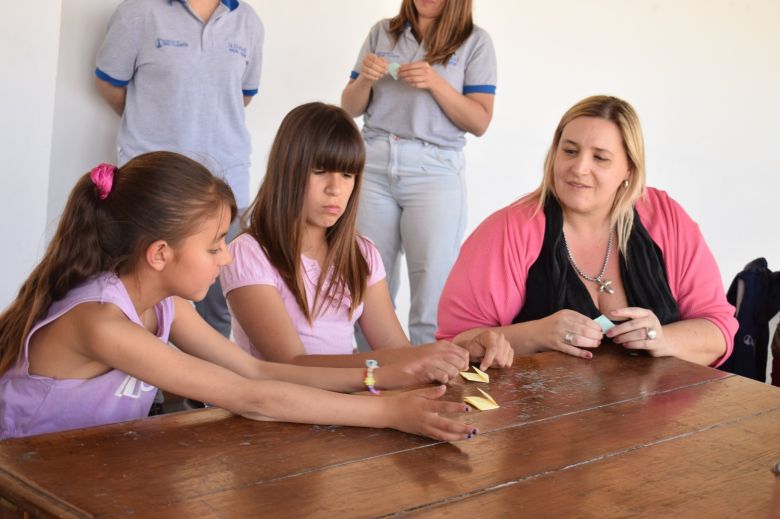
[[86, 341]]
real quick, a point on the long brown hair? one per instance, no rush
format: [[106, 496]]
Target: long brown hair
[[314, 136], [625, 118], [444, 36], [155, 196]]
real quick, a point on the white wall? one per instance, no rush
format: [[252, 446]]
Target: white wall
[[703, 75], [29, 39]]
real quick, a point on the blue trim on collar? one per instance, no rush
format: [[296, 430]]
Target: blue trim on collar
[[354, 74], [479, 89], [249, 93], [230, 4], [108, 79]]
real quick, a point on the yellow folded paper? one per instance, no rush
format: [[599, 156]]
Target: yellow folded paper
[[483, 404], [477, 376]]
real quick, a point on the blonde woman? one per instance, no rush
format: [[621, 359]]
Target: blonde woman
[[422, 80], [591, 240]]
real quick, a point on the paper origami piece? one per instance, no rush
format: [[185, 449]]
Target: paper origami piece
[[477, 376], [483, 404], [605, 323], [392, 69]]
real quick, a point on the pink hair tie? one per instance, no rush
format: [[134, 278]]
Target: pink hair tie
[[102, 176]]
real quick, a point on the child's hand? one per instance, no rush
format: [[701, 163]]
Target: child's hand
[[418, 412], [438, 362], [493, 348]]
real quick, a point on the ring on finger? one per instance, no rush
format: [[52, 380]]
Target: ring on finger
[[568, 338], [651, 334]]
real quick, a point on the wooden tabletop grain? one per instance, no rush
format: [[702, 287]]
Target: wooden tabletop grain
[[616, 436]]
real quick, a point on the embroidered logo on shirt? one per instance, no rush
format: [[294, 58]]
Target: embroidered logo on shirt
[[132, 387], [235, 48], [160, 43], [453, 60]]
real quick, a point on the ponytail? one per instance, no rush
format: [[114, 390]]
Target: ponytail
[[105, 227]]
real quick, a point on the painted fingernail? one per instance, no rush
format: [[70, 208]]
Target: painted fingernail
[[468, 436], [474, 431], [467, 409]]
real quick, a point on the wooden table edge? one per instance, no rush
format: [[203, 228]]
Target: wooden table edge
[[29, 497]]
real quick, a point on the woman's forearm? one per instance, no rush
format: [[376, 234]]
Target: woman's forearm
[[465, 112], [355, 96], [696, 340]]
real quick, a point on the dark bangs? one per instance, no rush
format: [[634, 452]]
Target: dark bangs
[[341, 147]]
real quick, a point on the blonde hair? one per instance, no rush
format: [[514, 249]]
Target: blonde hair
[[447, 33], [621, 215]]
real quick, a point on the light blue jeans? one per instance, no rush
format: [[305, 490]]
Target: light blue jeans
[[413, 201]]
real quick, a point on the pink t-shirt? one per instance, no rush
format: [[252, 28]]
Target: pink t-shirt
[[331, 331], [486, 286]]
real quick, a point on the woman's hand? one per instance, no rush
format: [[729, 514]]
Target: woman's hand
[[419, 412], [374, 67], [437, 362], [492, 348], [568, 331], [420, 74], [642, 331]]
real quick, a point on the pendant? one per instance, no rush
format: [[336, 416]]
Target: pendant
[[605, 286]]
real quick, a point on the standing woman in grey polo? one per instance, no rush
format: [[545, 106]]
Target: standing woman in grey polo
[[179, 73], [422, 80]]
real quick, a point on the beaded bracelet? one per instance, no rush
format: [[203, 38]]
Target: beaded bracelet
[[369, 381]]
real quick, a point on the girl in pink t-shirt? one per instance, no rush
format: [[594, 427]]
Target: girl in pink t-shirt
[[302, 276], [85, 341]]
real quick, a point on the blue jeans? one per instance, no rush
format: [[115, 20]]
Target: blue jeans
[[213, 308], [413, 201]]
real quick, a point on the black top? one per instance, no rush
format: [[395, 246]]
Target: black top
[[552, 284]]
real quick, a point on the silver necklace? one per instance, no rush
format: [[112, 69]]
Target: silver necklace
[[605, 285]]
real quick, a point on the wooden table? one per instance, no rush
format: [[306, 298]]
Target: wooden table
[[617, 436]]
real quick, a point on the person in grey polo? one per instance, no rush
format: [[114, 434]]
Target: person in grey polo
[[180, 73], [421, 81]]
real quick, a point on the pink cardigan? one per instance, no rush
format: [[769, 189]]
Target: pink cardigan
[[486, 286]]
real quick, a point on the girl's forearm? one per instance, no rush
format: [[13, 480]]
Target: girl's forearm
[[345, 379], [520, 336], [281, 401], [356, 360]]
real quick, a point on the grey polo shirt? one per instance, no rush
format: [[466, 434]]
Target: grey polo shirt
[[185, 82], [399, 109]]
